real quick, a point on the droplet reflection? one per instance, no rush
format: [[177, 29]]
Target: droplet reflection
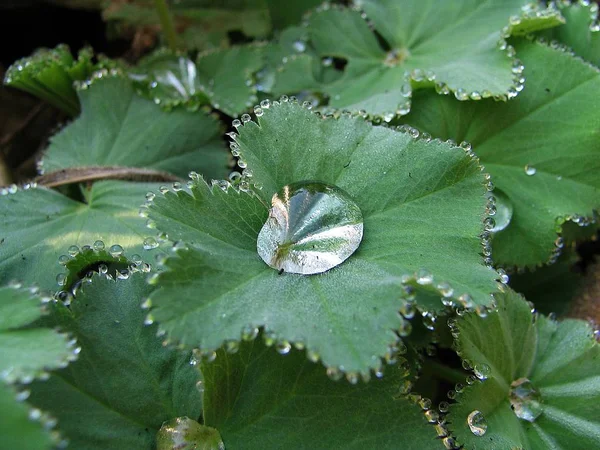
[[312, 227]]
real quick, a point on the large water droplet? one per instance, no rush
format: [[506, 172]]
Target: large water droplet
[[504, 211], [312, 227], [477, 423], [525, 400]]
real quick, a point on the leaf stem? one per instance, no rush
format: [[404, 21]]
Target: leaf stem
[[166, 23]]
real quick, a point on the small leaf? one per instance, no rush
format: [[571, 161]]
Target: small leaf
[[27, 350], [581, 32], [125, 378], [542, 389], [39, 225], [184, 433], [227, 77], [457, 45], [50, 75], [135, 134], [17, 428], [422, 203], [258, 399], [541, 149]]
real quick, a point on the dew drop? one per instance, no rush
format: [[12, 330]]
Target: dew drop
[[530, 170], [73, 250], [312, 227], [150, 243], [99, 246], [299, 46], [482, 371], [504, 211], [477, 423], [61, 279], [525, 400], [63, 260], [115, 251]]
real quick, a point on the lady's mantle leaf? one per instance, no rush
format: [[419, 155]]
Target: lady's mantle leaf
[[547, 370], [456, 44], [125, 378], [184, 433], [422, 204], [50, 74], [39, 225], [258, 399], [135, 134], [17, 428], [542, 149], [27, 350], [223, 78], [581, 31]]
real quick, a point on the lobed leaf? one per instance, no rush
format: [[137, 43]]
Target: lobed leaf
[[422, 202], [258, 399], [126, 383], [581, 30], [541, 149], [27, 348], [135, 134], [423, 43], [38, 225], [17, 428], [560, 360], [50, 74]]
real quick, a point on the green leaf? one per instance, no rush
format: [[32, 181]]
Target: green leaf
[[551, 288], [561, 362], [258, 399], [170, 78], [228, 77], [202, 24], [458, 45], [285, 14], [422, 203], [18, 430], [50, 74], [125, 378], [184, 433], [27, 350], [542, 149], [135, 134], [581, 32], [39, 225], [223, 78]]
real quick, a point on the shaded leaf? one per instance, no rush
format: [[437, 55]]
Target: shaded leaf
[[18, 430], [422, 204], [135, 134], [184, 433], [581, 32], [125, 378], [556, 362], [39, 225], [50, 74], [551, 288], [27, 350], [541, 149], [258, 399]]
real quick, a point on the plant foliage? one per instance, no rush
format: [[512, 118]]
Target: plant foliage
[[395, 158]]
